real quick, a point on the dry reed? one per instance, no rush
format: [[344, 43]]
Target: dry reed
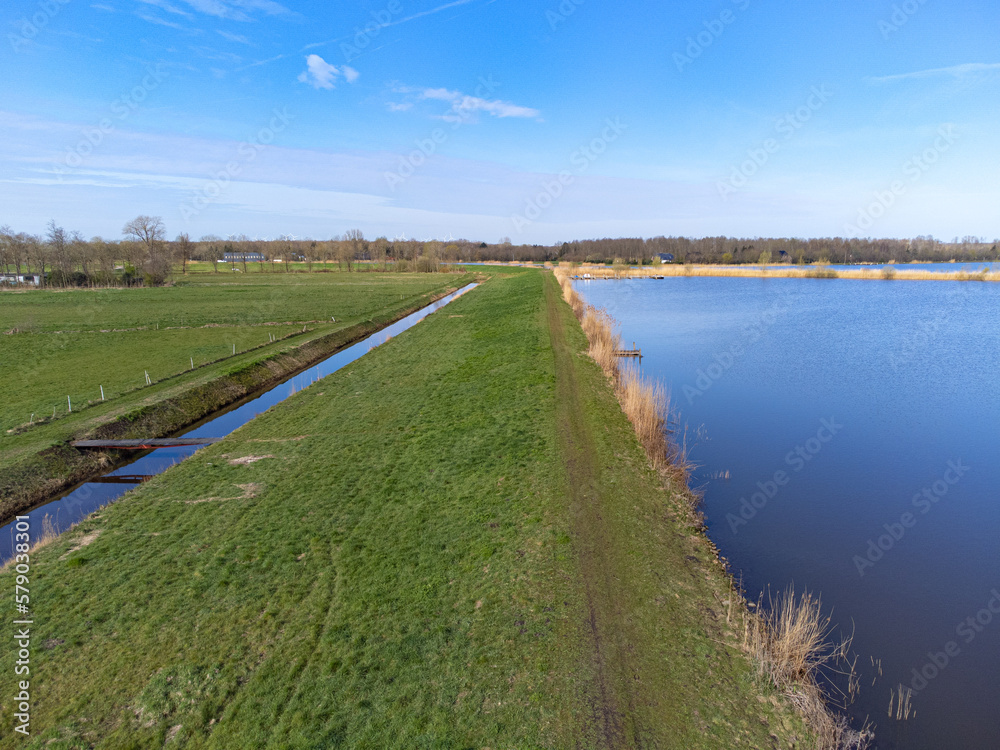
[[795, 272], [792, 644], [644, 401]]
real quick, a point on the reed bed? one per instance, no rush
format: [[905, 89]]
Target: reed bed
[[644, 401], [818, 270]]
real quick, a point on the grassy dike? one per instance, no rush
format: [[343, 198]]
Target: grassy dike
[[456, 541], [39, 462]]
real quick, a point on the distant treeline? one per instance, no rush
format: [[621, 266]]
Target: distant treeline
[[145, 257], [734, 250]]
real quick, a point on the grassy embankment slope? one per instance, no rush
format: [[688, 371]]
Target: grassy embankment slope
[[72, 342], [456, 541]]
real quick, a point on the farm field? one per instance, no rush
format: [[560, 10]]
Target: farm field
[[455, 541], [70, 343]]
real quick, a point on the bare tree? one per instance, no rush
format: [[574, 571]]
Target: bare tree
[[58, 245], [352, 246], [148, 230], [379, 250], [184, 248]]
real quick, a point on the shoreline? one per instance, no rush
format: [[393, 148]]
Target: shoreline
[[602, 272]]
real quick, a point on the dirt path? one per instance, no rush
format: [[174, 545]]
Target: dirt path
[[612, 722]]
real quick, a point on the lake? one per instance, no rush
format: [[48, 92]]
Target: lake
[[857, 423]]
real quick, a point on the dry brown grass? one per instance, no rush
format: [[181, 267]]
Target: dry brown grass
[[604, 341], [646, 403], [783, 271], [791, 642]]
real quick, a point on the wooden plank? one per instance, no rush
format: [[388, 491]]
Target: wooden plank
[[143, 444]]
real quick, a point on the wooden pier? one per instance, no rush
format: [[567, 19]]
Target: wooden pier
[[142, 445], [633, 352]]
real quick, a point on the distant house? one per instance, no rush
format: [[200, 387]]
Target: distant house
[[240, 257], [21, 278], [664, 257]]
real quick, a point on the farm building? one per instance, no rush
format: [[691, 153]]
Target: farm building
[[240, 257], [664, 257], [12, 279]]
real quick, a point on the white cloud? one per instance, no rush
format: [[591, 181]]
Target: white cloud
[[237, 10], [160, 21], [956, 71], [101, 6], [321, 75], [442, 94], [497, 108], [170, 8], [464, 108], [238, 38]]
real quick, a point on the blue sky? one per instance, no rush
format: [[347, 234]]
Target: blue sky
[[542, 121]]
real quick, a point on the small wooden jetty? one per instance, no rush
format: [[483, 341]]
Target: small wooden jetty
[[122, 479], [141, 445], [633, 352]]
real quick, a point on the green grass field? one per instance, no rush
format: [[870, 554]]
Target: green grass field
[[439, 546], [70, 343]]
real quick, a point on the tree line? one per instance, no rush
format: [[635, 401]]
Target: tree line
[[143, 255]]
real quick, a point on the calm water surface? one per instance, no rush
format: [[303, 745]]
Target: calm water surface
[[859, 422]]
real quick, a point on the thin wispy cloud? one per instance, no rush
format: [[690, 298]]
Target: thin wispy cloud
[[237, 10], [238, 38], [160, 21], [955, 71], [167, 6], [464, 108], [413, 17], [101, 6], [322, 75], [430, 12]]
